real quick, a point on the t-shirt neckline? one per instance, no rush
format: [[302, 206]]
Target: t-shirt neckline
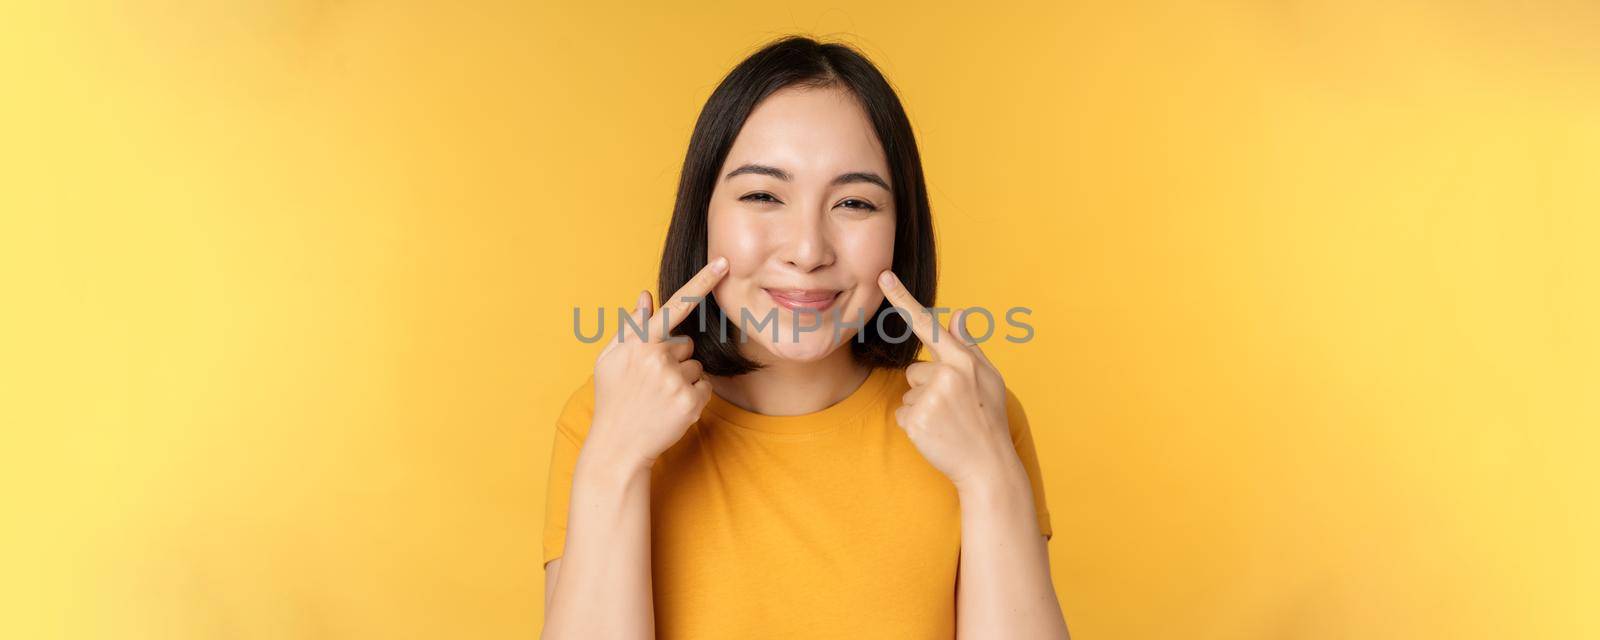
[[816, 421]]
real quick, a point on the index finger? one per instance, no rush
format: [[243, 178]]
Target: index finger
[[674, 310], [921, 320]]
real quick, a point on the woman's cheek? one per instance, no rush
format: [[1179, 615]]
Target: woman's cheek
[[737, 237], [741, 244], [870, 251]]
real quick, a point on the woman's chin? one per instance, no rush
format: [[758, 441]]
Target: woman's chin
[[808, 349]]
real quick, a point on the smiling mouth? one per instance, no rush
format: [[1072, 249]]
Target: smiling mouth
[[804, 299]]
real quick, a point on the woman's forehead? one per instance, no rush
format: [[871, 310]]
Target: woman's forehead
[[810, 133]]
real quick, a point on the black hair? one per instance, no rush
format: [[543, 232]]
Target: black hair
[[799, 60]]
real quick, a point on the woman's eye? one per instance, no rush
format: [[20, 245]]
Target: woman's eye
[[859, 204], [759, 197]]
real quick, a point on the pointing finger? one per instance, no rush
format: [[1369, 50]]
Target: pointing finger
[[673, 311], [921, 320], [958, 326]]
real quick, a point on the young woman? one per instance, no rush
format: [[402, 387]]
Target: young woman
[[767, 458]]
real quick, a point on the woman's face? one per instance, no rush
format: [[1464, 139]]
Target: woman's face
[[803, 211]]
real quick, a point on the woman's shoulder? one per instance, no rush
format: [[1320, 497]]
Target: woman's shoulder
[[895, 379], [578, 410], [1016, 418]]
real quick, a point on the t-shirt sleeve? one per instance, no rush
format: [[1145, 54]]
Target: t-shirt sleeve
[[1022, 437], [571, 427]]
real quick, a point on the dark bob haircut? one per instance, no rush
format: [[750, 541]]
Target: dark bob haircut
[[798, 60]]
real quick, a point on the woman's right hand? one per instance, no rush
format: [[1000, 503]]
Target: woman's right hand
[[648, 391]]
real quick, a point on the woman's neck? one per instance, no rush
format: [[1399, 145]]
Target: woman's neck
[[787, 388]]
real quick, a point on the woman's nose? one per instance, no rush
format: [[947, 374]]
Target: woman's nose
[[808, 246]]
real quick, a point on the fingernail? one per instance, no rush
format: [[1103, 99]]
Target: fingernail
[[887, 278], [720, 264]]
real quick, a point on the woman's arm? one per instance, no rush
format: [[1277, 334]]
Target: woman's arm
[[959, 414], [647, 391], [602, 586], [1003, 587]]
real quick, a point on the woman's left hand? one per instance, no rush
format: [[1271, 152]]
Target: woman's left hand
[[955, 412]]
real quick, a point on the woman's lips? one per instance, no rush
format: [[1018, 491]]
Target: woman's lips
[[804, 299]]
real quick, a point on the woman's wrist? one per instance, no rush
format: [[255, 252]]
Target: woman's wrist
[[599, 461], [1004, 477]]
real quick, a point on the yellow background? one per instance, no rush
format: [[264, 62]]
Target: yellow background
[[288, 289]]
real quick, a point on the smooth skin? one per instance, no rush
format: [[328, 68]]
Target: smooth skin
[[647, 393], [954, 413], [812, 222]]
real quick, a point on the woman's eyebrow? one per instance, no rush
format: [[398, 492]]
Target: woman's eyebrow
[[844, 178], [760, 169], [861, 176]]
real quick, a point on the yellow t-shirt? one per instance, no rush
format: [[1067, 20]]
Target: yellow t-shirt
[[824, 525]]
